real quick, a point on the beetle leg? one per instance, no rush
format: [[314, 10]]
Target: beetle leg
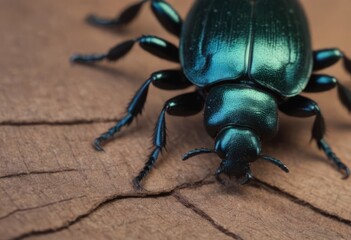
[[125, 17], [166, 79], [300, 106], [167, 16], [164, 12], [328, 57], [154, 45], [183, 105], [320, 83]]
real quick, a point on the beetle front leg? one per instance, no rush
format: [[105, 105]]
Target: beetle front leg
[[166, 79], [183, 105], [300, 106], [154, 45], [164, 12], [328, 57], [321, 83]]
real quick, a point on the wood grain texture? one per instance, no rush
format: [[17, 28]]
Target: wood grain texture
[[149, 218], [253, 213], [53, 185]]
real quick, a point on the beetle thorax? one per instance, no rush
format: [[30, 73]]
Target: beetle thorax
[[241, 106]]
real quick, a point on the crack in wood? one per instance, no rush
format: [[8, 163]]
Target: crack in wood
[[258, 184], [180, 198], [275, 190], [38, 207], [21, 174], [107, 201], [11, 123]]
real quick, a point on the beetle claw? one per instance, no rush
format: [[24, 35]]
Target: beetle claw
[[136, 184], [323, 145], [97, 145], [345, 170]]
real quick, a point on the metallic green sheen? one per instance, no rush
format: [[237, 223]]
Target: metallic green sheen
[[263, 41], [239, 105], [214, 41]]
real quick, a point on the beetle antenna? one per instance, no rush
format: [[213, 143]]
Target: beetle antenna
[[196, 152], [276, 162]]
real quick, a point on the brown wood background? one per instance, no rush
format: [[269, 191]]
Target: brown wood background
[[53, 185]]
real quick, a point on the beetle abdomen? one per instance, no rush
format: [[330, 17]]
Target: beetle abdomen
[[240, 105], [215, 40], [264, 41], [281, 49]]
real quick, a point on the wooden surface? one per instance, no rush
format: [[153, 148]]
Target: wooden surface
[[53, 185]]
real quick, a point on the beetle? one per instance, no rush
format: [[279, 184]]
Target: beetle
[[248, 59]]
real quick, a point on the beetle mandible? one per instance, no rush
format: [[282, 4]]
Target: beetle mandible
[[248, 59]]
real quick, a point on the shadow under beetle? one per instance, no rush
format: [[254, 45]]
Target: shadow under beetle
[[247, 59]]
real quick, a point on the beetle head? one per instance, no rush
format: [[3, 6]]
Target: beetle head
[[237, 147]]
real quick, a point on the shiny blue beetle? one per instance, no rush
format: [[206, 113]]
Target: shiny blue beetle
[[247, 59]]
